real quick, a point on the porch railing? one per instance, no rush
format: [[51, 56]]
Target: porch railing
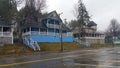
[[46, 33], [102, 37], [6, 34], [32, 43], [82, 43], [53, 26]]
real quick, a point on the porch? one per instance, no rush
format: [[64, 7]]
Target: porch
[[90, 35], [6, 35], [43, 31], [6, 31]]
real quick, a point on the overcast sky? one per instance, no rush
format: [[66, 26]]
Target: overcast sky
[[101, 11]]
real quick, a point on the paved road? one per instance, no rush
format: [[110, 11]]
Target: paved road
[[92, 58]]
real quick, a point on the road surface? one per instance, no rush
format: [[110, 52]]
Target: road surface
[[89, 58]]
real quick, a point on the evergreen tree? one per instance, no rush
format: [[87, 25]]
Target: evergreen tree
[[8, 9], [81, 16], [82, 13]]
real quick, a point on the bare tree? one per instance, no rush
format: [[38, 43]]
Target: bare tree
[[113, 28], [72, 24], [33, 8], [36, 5], [113, 31], [31, 12]]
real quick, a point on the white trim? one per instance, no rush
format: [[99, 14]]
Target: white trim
[[94, 37], [47, 27], [12, 39], [30, 30], [2, 30], [6, 34], [39, 31], [54, 27], [45, 33]]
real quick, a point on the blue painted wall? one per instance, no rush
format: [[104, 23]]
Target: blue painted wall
[[47, 38]]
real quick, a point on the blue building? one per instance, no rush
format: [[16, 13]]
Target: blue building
[[46, 29]]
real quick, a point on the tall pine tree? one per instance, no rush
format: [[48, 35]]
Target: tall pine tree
[[81, 16]]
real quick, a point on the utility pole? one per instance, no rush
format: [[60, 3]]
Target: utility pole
[[60, 30], [61, 45]]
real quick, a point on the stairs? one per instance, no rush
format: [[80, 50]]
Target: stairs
[[83, 43], [31, 44]]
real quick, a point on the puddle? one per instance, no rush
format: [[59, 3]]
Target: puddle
[[118, 52], [86, 61], [116, 64], [68, 63]]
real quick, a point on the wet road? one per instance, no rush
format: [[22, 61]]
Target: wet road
[[92, 58]]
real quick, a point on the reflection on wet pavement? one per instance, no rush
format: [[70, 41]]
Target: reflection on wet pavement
[[103, 58]]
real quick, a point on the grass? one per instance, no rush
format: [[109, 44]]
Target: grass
[[101, 45], [19, 48], [69, 46], [57, 47], [16, 48]]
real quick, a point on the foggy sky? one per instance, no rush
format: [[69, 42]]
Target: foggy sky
[[101, 11]]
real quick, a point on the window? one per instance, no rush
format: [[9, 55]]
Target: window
[[0, 29], [6, 29], [34, 29], [50, 30], [43, 30], [56, 22], [64, 31], [57, 30], [28, 29]]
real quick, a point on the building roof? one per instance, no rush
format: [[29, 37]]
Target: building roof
[[91, 23], [55, 15], [51, 15]]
